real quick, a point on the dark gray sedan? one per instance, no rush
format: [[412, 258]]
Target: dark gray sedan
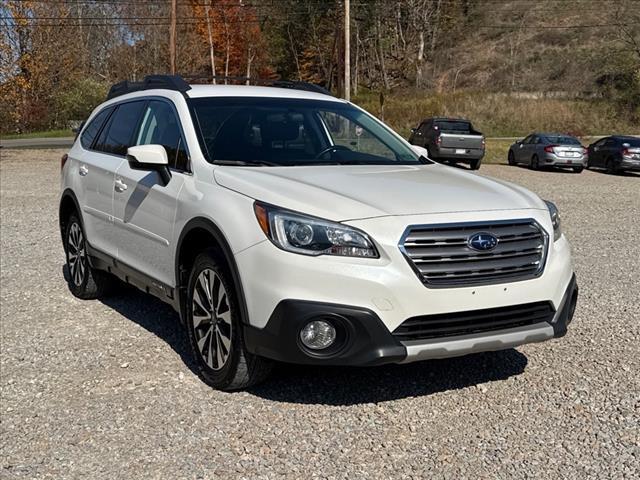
[[540, 150]]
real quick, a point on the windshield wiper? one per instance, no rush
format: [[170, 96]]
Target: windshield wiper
[[243, 163]]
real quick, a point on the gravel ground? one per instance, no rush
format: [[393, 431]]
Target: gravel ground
[[106, 389]]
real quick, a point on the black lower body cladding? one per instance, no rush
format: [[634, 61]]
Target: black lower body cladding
[[362, 338]]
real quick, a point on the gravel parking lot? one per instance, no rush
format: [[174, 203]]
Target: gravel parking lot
[[105, 389]]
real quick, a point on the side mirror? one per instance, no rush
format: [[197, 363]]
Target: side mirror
[[151, 158]]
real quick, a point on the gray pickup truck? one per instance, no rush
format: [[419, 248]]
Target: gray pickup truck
[[450, 140]]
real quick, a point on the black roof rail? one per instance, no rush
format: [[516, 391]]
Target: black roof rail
[[298, 85], [167, 82], [267, 82]]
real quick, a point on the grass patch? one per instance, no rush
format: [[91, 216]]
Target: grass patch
[[46, 134], [500, 115], [496, 151]]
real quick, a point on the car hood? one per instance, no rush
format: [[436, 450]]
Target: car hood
[[354, 192]]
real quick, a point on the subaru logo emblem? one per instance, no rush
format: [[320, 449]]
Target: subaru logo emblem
[[482, 241]]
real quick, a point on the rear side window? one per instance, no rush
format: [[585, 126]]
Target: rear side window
[[160, 126], [91, 130], [117, 135]]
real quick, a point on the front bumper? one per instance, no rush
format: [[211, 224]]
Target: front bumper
[[387, 289], [365, 341], [388, 285]]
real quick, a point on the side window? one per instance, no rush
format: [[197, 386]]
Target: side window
[[91, 130], [117, 135], [528, 140], [160, 127], [424, 128]]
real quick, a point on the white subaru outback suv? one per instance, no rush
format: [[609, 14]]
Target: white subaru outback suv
[[285, 224]]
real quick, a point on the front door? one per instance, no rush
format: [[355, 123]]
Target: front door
[[144, 207], [520, 151]]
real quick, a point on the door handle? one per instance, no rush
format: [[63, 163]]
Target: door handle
[[83, 170], [119, 186]]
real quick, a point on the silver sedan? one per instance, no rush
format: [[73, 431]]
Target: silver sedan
[[540, 150]]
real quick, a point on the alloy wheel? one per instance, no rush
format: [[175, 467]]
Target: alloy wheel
[[76, 254], [211, 317]]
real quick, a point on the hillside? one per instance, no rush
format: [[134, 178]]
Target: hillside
[[567, 48]]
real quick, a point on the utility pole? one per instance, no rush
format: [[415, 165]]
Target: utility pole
[[172, 38], [347, 51]]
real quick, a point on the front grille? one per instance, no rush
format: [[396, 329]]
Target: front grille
[[463, 323], [441, 256]]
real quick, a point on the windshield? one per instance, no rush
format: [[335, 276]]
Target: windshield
[[562, 140], [287, 132]]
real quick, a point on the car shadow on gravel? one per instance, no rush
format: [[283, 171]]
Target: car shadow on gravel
[[151, 314], [154, 316], [338, 386]]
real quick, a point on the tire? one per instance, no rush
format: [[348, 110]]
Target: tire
[[611, 167], [511, 159], [214, 329], [535, 163], [85, 282], [475, 164], [429, 154], [577, 169]]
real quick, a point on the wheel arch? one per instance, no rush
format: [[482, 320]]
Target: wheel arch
[[199, 234], [68, 204]]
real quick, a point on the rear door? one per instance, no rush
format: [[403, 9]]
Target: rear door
[[95, 174], [145, 209]]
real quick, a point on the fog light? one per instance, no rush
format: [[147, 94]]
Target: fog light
[[318, 334]]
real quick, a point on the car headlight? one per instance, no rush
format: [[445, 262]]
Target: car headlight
[[298, 233], [555, 219]]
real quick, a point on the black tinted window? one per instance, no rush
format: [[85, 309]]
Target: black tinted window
[[453, 127], [632, 142], [116, 136], [160, 127], [91, 130]]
